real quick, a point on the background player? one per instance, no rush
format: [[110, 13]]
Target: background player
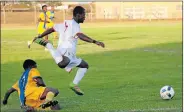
[[32, 90], [43, 22], [51, 15], [65, 54]]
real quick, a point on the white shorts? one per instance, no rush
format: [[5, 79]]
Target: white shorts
[[74, 61]]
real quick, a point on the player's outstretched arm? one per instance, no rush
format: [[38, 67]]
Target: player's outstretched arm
[[8, 93], [39, 81], [89, 40], [40, 20], [48, 31]]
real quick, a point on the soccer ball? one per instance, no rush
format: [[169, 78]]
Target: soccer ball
[[167, 92]]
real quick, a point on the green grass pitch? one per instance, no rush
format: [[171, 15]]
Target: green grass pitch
[[127, 75]]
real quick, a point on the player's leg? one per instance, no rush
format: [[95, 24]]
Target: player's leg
[[55, 35], [52, 93], [40, 30], [47, 27], [82, 69], [47, 96], [55, 54], [62, 64], [46, 37], [55, 107], [28, 109], [83, 66], [51, 24], [61, 61], [39, 99]]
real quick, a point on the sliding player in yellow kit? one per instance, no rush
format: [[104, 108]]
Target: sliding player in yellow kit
[[33, 93]]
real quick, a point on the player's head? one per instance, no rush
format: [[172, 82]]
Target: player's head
[[52, 8], [79, 14], [44, 8], [28, 63]]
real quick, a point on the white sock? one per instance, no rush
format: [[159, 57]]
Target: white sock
[[79, 75], [55, 54]]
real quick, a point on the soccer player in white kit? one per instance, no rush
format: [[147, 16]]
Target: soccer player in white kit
[[65, 54]]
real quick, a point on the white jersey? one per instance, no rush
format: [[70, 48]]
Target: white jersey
[[67, 35]]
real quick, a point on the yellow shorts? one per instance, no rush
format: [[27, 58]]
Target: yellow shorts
[[33, 100], [41, 28], [50, 25]]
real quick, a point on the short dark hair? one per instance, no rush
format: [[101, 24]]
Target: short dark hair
[[28, 62], [44, 6], [78, 10]]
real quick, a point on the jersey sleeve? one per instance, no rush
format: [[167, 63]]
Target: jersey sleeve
[[59, 27], [48, 13], [15, 86], [48, 19], [34, 73], [41, 16], [48, 16]]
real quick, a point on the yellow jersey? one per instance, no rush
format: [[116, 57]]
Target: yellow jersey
[[27, 84], [44, 17], [50, 15]]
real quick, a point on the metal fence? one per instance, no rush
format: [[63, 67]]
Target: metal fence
[[99, 11]]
